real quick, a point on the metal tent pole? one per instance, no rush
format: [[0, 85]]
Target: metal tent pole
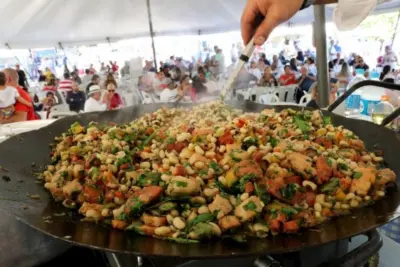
[[20, 63], [395, 29], [151, 33], [322, 61]]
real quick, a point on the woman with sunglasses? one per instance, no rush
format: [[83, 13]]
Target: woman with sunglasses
[[114, 98]]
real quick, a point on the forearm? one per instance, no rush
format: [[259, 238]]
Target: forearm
[[17, 117]]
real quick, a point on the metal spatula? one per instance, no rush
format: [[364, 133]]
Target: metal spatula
[[244, 58]]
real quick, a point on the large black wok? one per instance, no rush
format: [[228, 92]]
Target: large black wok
[[22, 153]]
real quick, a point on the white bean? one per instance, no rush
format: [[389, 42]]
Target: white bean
[[162, 231], [203, 209], [222, 149], [354, 203], [327, 205], [310, 184], [350, 196], [199, 165], [380, 193], [244, 196], [199, 150], [345, 206], [320, 198], [179, 223], [215, 228], [105, 212], [161, 154], [317, 207]]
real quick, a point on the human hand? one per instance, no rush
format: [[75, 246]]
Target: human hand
[[274, 12]]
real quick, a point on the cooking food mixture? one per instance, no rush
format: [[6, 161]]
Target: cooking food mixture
[[209, 172]]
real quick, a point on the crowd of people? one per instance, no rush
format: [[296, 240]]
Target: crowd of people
[[82, 94], [178, 79]]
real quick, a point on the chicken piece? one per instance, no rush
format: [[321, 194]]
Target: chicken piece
[[291, 227], [324, 170], [203, 131], [248, 209], [70, 187], [181, 186], [196, 157], [248, 167], [154, 221], [316, 118], [300, 164], [228, 222], [357, 144], [231, 147], [385, 176], [119, 224], [90, 206], [365, 178], [275, 171], [349, 153], [221, 204], [148, 194], [284, 145]]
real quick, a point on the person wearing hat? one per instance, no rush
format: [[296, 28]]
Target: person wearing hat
[[95, 102], [95, 81]]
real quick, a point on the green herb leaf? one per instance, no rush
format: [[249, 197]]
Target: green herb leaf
[[274, 142], [288, 191], [181, 184], [252, 141], [331, 186], [358, 175], [289, 211], [327, 120], [217, 169], [250, 206], [202, 218], [343, 166], [262, 194], [302, 124]]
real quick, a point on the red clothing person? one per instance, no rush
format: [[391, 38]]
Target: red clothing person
[[288, 78]]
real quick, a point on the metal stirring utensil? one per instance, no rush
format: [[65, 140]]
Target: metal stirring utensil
[[244, 58]]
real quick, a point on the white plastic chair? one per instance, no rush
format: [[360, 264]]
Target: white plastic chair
[[286, 90], [305, 99], [259, 91], [269, 99], [147, 98]]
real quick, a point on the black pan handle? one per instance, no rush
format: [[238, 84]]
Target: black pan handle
[[361, 254], [357, 86]]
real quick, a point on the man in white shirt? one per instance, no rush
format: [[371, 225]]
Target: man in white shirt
[[169, 94], [94, 102]]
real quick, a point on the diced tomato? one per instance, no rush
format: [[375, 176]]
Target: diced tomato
[[277, 149], [92, 194], [241, 123], [275, 226], [274, 186], [258, 156], [298, 198], [226, 139], [74, 158], [124, 166], [249, 187], [338, 174], [345, 184], [325, 142], [339, 136], [146, 149], [150, 130], [162, 135], [119, 194], [178, 147], [148, 193], [282, 217], [328, 213], [310, 198], [290, 227], [261, 131], [324, 170], [118, 224], [179, 171], [293, 180], [109, 197]]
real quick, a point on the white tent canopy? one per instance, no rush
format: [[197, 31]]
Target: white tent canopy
[[46, 23]]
